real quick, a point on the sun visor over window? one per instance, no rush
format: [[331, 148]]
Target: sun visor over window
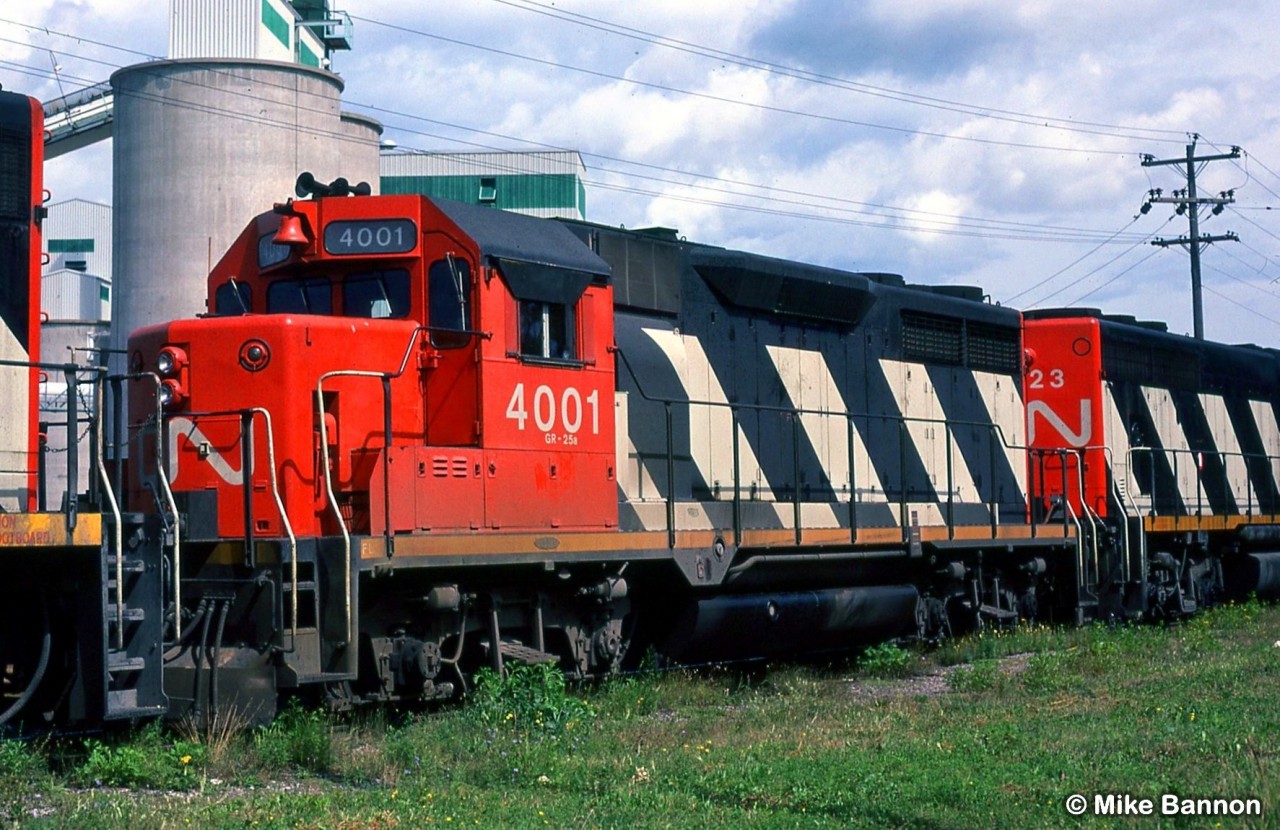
[[542, 283]]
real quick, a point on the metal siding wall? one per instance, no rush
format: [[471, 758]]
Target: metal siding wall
[[81, 219], [538, 184], [275, 35], [60, 296], [213, 28], [537, 195]]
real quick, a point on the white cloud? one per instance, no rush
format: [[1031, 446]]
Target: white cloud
[[1108, 81]]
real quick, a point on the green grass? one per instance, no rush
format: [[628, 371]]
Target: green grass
[[1000, 741]]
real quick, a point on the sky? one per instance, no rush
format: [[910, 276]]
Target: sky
[[971, 142]]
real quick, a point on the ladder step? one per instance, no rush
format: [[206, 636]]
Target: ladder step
[[123, 703], [119, 662], [287, 587], [130, 566], [525, 654], [131, 613], [997, 613]]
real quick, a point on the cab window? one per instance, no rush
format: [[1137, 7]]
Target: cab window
[[448, 302], [547, 330], [306, 296], [378, 294], [231, 299]]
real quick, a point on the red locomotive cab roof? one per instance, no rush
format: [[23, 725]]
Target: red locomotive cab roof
[[362, 230]]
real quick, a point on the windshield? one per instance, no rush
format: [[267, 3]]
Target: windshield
[[378, 294], [306, 296]]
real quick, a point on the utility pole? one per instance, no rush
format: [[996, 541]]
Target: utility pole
[[1189, 202]]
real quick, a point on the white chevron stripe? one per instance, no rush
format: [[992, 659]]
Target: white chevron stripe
[[633, 475], [1172, 437], [810, 385], [915, 396], [1003, 400], [1116, 436], [1264, 415], [710, 427], [1224, 437]]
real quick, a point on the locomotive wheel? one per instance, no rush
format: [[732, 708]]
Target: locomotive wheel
[[24, 649]]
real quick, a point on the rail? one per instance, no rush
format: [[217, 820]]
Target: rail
[[1070, 514], [1142, 536], [118, 528], [72, 372]]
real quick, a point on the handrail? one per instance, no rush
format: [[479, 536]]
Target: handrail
[[275, 491], [1142, 534], [284, 520], [170, 503], [118, 529], [71, 371], [995, 432], [328, 467], [1070, 514], [1121, 497], [1174, 453]]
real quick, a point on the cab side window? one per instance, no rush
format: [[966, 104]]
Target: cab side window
[[547, 330]]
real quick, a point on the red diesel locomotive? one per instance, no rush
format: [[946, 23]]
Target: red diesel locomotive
[[411, 438]]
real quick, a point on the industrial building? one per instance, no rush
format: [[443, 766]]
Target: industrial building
[[543, 183]]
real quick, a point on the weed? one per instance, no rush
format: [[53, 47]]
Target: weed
[[530, 697], [297, 737], [147, 759], [982, 676], [1046, 672], [18, 760], [886, 660], [220, 736]]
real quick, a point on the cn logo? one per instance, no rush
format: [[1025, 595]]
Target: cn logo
[[186, 428], [1073, 438]]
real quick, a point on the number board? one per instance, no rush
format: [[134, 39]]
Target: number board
[[269, 253], [370, 236]]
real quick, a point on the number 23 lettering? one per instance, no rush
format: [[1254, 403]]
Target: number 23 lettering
[[1057, 379]]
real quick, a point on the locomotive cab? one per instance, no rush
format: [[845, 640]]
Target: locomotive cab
[[481, 369]]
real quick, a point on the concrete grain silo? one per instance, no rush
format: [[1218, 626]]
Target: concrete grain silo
[[200, 147], [360, 149]]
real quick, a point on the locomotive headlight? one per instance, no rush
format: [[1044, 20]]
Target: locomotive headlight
[[171, 360], [171, 395]]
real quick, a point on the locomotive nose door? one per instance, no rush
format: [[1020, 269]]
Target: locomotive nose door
[[450, 367]]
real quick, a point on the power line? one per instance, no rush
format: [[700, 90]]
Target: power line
[[915, 219], [1071, 264], [1247, 308], [1086, 276], [706, 96], [1011, 116], [1093, 291]]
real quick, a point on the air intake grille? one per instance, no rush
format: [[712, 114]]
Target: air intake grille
[[15, 173], [954, 341]]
